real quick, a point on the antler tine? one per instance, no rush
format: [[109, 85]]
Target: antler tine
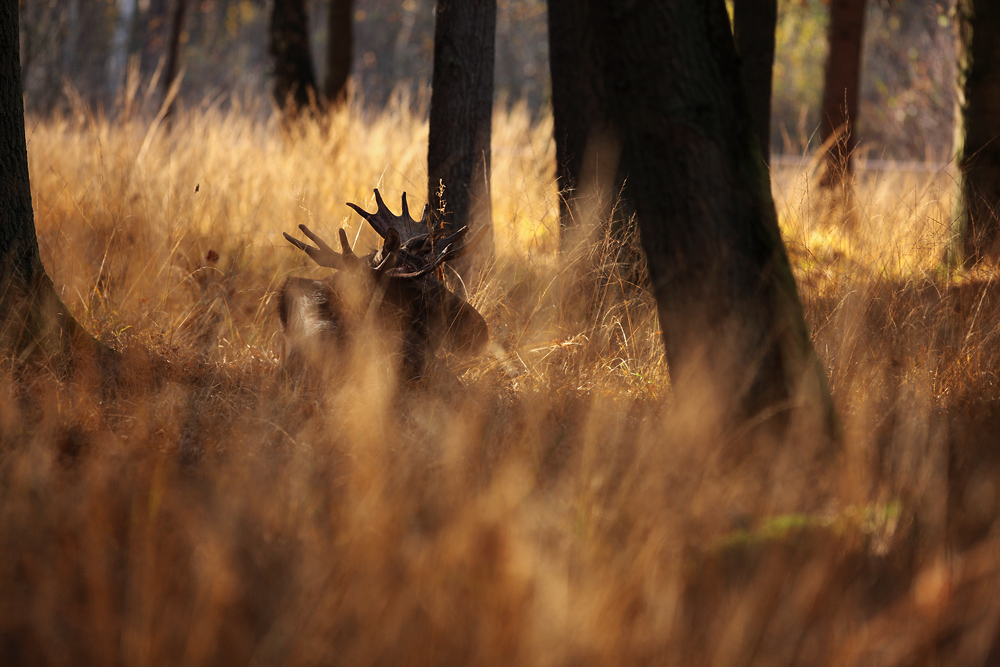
[[445, 255], [468, 245], [406, 209], [383, 219], [448, 253], [322, 254], [448, 240], [345, 245]]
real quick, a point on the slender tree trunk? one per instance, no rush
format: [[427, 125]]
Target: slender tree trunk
[[978, 130], [461, 114], [294, 76], [841, 87], [735, 336], [122, 42], [173, 51], [753, 28], [339, 48], [32, 317]]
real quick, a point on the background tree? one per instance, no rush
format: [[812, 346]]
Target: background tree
[[577, 100], [173, 51], [732, 325], [461, 113], [339, 49], [754, 22], [591, 184], [288, 40], [978, 137], [125, 25], [33, 317], [841, 84]]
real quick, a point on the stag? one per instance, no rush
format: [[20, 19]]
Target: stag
[[393, 289]]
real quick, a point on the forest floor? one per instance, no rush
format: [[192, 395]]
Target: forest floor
[[543, 505]]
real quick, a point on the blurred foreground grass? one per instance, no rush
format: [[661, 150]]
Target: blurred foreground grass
[[547, 506]]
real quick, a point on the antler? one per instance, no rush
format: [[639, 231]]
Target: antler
[[396, 258], [382, 220], [323, 254], [447, 253]]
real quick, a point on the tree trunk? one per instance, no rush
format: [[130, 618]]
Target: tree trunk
[[32, 317], [591, 184], [339, 48], [577, 106], [121, 45], [839, 115], [733, 328], [294, 77], [978, 118], [753, 28], [458, 152], [173, 52]]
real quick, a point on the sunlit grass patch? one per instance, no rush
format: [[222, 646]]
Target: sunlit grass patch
[[543, 504]]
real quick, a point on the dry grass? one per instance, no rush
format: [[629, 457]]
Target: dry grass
[[547, 507]]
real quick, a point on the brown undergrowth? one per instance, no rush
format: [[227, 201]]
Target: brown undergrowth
[[542, 505]]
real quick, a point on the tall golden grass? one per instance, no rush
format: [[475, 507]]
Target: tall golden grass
[[543, 506]]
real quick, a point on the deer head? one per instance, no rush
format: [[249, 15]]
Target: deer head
[[396, 281]]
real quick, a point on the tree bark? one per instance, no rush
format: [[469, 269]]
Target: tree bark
[[32, 317], [288, 41], [733, 328], [841, 86], [339, 49], [978, 117], [461, 113], [753, 28]]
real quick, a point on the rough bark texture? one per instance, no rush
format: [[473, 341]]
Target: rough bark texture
[[458, 154], [339, 48], [18, 247], [978, 129], [733, 327], [753, 27], [841, 86], [31, 315], [288, 41]]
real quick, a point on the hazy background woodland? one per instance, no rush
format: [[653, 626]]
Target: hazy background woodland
[[907, 101]]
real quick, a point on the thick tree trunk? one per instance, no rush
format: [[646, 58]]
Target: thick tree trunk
[[32, 318], [978, 116], [288, 41], [339, 48], [841, 87], [591, 185], [753, 28], [458, 153], [736, 340], [577, 105]]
